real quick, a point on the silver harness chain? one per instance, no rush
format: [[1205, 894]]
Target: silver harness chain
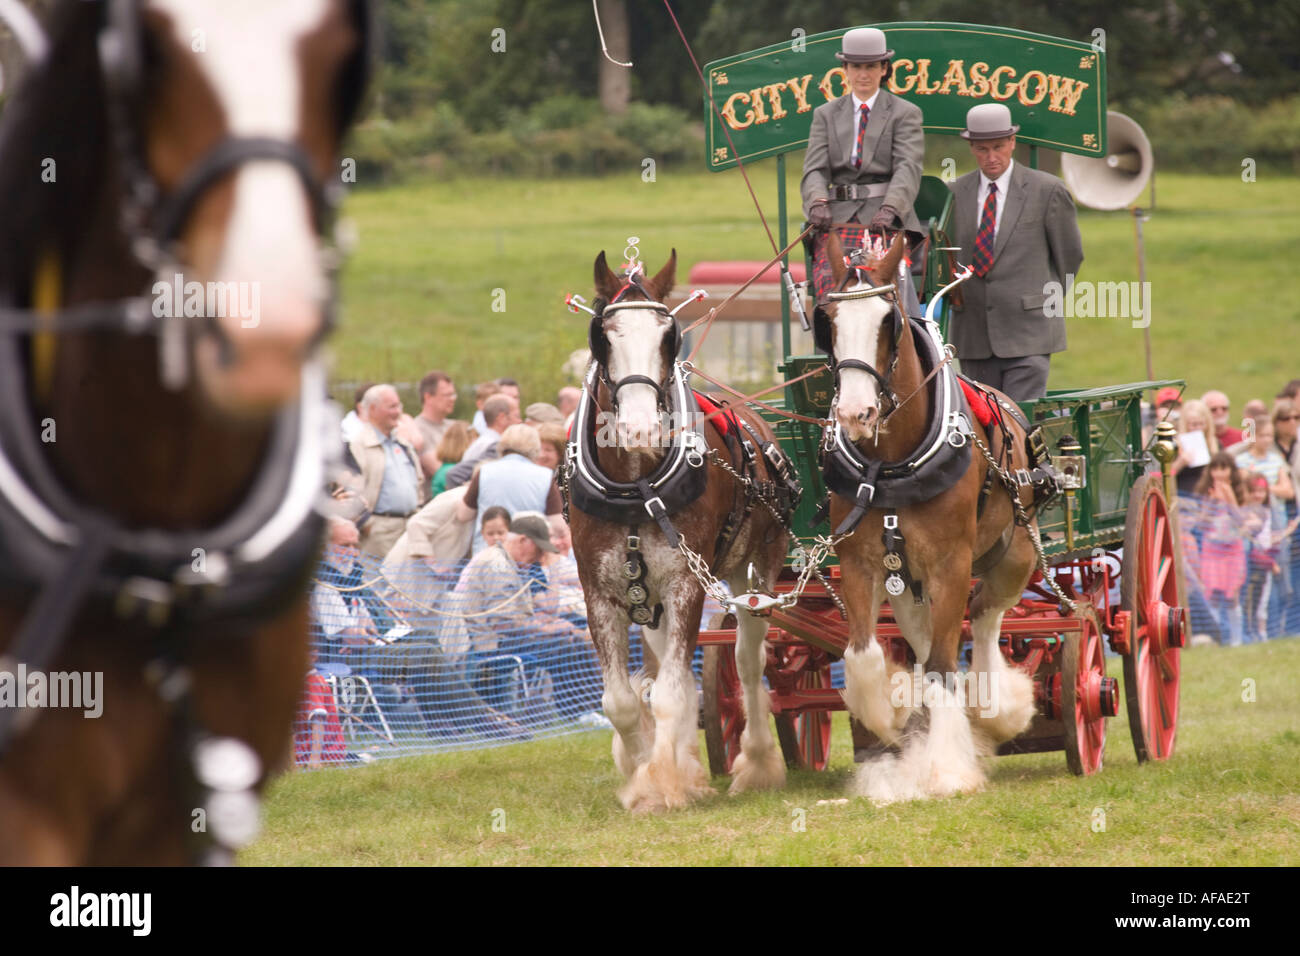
[[806, 562]]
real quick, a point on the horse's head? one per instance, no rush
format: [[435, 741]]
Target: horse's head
[[634, 341], [864, 325], [236, 111]]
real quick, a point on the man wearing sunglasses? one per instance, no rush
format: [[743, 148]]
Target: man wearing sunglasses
[[1219, 406]]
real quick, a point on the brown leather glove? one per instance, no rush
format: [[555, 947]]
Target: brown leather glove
[[819, 214], [885, 218]]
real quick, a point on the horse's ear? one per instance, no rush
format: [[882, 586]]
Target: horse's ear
[[886, 270], [835, 255], [664, 281], [607, 283]]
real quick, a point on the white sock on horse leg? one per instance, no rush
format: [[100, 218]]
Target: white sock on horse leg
[[867, 690]]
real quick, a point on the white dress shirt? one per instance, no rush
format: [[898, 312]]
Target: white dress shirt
[[857, 117], [1004, 183]]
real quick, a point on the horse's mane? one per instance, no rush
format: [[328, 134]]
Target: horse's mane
[[58, 114]]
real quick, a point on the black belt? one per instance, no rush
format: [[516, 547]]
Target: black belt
[[853, 191], [392, 514]]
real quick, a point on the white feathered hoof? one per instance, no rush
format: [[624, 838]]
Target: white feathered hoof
[[659, 785], [758, 770]]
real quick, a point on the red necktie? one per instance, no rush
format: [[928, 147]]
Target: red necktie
[[983, 259], [863, 113]]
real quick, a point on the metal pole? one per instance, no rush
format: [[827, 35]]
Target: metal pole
[[783, 234], [1033, 156], [1139, 216]]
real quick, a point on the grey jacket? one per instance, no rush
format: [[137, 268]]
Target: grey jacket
[[1037, 242], [892, 151]]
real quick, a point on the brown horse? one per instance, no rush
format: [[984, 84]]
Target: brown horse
[[620, 437], [161, 451], [932, 737]]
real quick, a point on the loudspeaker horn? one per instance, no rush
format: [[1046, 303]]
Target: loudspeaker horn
[[1115, 180]]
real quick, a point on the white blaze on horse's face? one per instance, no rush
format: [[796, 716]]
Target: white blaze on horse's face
[[858, 327], [250, 54], [636, 338]]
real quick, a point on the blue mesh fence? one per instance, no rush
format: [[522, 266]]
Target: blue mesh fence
[[422, 659]]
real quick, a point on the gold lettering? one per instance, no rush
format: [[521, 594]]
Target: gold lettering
[[894, 85], [756, 101], [729, 111], [800, 91], [993, 83], [923, 78], [825, 84], [956, 76], [979, 79], [773, 91], [1023, 87], [1064, 93]]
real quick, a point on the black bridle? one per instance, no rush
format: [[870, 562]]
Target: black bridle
[[599, 345]]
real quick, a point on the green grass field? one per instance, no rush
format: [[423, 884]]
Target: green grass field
[[419, 293], [1229, 796]]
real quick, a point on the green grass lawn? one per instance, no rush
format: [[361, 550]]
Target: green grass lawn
[[1230, 795], [420, 291]]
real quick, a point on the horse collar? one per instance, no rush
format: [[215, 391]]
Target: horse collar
[[938, 462]]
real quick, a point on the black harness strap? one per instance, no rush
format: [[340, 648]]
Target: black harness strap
[[862, 499], [656, 509], [46, 624]]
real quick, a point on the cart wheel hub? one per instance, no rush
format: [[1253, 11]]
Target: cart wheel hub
[[1092, 696], [1168, 627], [1109, 694]]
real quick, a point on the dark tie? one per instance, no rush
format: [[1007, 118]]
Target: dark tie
[[983, 259], [863, 113]]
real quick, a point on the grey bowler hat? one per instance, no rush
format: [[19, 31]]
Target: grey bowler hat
[[989, 121], [864, 45], [534, 527]]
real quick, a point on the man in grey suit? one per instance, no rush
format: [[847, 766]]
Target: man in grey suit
[[865, 151], [870, 174], [1016, 226]]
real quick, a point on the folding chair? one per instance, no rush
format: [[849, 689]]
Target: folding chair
[[355, 701]]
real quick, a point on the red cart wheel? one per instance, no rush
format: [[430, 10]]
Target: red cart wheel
[[806, 736], [724, 708], [1152, 590], [1087, 695]]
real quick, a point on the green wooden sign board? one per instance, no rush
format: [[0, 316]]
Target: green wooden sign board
[[1055, 88]]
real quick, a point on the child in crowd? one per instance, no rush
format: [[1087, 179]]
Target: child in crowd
[[1223, 553], [496, 522]]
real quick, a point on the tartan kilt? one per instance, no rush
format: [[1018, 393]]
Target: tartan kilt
[[823, 283]]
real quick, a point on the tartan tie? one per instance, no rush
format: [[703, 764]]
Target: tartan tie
[[983, 258], [863, 113]]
